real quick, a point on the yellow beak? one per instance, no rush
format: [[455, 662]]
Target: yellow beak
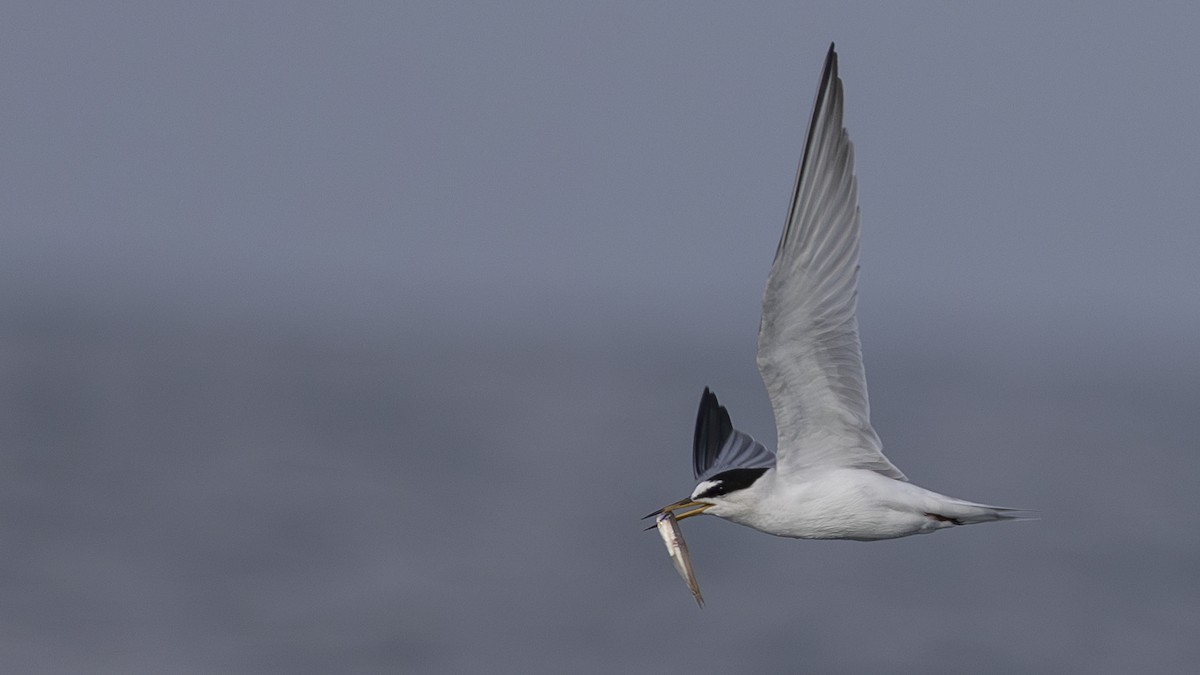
[[697, 509]]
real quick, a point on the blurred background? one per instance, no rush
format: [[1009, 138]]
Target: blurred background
[[357, 337]]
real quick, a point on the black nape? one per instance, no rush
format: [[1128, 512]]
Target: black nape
[[732, 481]]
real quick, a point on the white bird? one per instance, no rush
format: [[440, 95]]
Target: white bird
[[829, 479]]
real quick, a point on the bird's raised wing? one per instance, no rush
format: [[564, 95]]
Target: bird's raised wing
[[718, 447], [808, 349]]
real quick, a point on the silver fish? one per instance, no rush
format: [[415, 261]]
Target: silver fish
[[672, 536]]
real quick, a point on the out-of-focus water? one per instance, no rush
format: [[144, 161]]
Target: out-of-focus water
[[249, 501]]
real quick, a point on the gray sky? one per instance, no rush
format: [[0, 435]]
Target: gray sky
[[357, 338]]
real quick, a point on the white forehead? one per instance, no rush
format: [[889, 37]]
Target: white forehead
[[704, 486]]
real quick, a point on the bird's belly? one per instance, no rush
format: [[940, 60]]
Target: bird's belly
[[862, 509], [860, 525]]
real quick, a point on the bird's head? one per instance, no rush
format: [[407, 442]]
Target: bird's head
[[722, 495]]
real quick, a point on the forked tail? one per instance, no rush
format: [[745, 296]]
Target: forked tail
[[960, 512]]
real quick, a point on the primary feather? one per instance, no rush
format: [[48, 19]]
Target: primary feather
[[718, 447]]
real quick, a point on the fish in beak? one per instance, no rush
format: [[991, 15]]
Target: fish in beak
[[672, 536]]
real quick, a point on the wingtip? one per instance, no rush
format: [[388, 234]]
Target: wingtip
[[831, 59]]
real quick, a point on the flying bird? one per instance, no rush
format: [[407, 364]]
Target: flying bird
[[829, 478]]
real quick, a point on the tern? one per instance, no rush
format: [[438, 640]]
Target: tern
[[829, 478]]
